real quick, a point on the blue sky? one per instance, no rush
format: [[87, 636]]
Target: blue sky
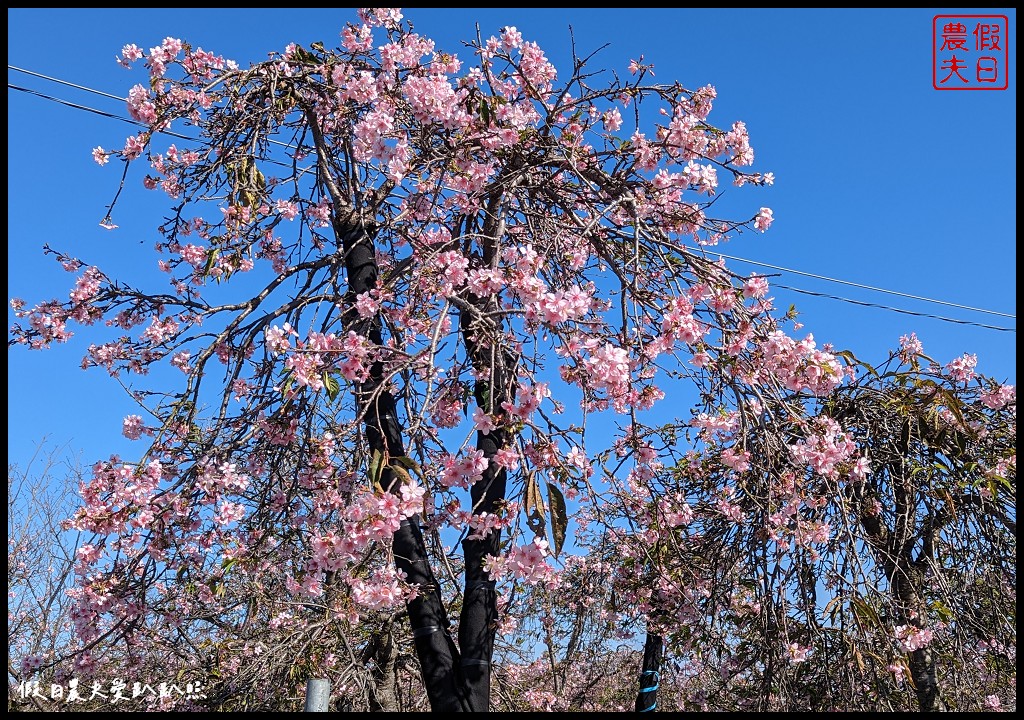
[[880, 179]]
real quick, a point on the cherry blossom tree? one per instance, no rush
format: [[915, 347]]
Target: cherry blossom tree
[[422, 312], [861, 557]]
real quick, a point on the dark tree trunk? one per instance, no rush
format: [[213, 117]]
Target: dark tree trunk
[[650, 674], [478, 622], [892, 548], [495, 367], [479, 618], [907, 586], [437, 652], [926, 685], [384, 655]]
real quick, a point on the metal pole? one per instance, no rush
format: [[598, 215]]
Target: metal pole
[[318, 695]]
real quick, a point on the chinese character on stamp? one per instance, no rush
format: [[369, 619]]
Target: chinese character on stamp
[[970, 52]]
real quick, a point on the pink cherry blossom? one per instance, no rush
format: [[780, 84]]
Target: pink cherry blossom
[[798, 653], [911, 638], [288, 210], [764, 219], [612, 120], [229, 513], [755, 287], [1000, 397], [910, 347], [511, 38], [133, 427], [140, 105], [482, 421], [181, 359], [962, 368], [453, 257], [134, 147], [825, 450], [465, 471], [129, 54]]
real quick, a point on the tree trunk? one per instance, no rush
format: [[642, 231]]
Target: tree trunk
[[479, 619], [892, 549], [907, 588], [650, 674], [384, 654], [437, 652], [495, 367]]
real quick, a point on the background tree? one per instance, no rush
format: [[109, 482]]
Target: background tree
[[861, 557], [40, 567], [393, 271]]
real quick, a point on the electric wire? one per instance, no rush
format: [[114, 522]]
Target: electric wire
[[862, 303]]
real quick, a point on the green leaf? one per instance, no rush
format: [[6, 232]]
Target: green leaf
[[834, 606], [858, 657], [944, 613], [960, 440], [993, 488], [331, 386], [866, 614], [559, 516], [375, 466], [211, 258], [401, 473], [905, 437], [408, 462], [303, 55], [847, 355], [952, 403]]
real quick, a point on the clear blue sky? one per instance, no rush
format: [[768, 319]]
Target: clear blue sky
[[881, 179]]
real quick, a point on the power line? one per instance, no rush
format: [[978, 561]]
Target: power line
[[68, 84], [101, 93], [729, 257], [102, 113], [868, 287], [894, 309], [112, 116], [862, 303]]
